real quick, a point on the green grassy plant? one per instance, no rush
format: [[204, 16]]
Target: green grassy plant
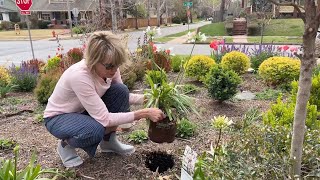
[[7, 144], [268, 94], [138, 136], [185, 128], [214, 29]]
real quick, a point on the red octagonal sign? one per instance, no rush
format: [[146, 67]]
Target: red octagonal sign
[[24, 5]]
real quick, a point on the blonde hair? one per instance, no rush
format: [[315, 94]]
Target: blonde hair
[[105, 47]]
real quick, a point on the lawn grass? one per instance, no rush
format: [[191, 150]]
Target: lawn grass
[[275, 39], [163, 39], [180, 33], [284, 27], [35, 34], [214, 29]]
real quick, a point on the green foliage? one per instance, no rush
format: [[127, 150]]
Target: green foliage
[[53, 63], [9, 170], [158, 77], [7, 144], [266, 156], [256, 60], [236, 61], [189, 88], [79, 29], [185, 128], [293, 27], [282, 114], [268, 94], [45, 86], [6, 89], [38, 118], [43, 24], [24, 77], [198, 66], [176, 63], [314, 98], [316, 70], [138, 136], [75, 55], [140, 70], [222, 83], [279, 70]]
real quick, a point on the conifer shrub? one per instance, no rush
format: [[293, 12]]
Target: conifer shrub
[[198, 66], [222, 83], [236, 61], [46, 85], [279, 70]]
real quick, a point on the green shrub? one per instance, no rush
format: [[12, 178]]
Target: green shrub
[[6, 25], [282, 114], [185, 128], [266, 156], [189, 88], [176, 20], [138, 136], [158, 77], [129, 78], [79, 29], [4, 89], [22, 25], [236, 61], [198, 66], [75, 55], [253, 29], [176, 62], [222, 83], [316, 70], [314, 94], [140, 70], [53, 63], [256, 60], [42, 24], [45, 86], [279, 70]]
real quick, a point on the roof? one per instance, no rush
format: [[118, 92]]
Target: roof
[[82, 5], [9, 6]]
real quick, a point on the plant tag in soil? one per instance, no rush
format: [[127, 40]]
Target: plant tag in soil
[[188, 163]]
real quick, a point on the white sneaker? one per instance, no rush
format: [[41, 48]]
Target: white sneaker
[[68, 155], [113, 145]]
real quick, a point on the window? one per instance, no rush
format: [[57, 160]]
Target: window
[[1, 18], [1, 2], [46, 16]]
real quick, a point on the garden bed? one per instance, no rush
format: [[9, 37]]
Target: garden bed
[[32, 136]]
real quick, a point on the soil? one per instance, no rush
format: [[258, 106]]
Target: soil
[[33, 137]]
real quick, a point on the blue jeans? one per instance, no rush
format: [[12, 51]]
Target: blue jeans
[[80, 130]]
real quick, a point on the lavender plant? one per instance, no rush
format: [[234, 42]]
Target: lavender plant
[[24, 77]]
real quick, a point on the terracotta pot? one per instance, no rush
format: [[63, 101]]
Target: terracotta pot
[[163, 131]]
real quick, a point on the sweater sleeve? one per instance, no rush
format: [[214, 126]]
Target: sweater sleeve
[[85, 90], [133, 98]]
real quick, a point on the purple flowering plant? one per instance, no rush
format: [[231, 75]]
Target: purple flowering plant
[[24, 76]]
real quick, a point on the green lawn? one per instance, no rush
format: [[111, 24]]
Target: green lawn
[[180, 33], [214, 29], [284, 27], [276, 39]]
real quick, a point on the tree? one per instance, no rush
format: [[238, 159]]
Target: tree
[[222, 5], [311, 19], [160, 6], [135, 9], [263, 8], [113, 15]]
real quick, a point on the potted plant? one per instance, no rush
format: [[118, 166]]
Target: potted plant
[[167, 97]]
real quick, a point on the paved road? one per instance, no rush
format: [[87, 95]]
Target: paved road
[[17, 51]]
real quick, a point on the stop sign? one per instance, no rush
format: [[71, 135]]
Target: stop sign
[[24, 5]]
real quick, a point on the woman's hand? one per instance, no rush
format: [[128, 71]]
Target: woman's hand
[[154, 114]]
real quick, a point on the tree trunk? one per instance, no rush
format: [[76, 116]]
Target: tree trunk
[[222, 10], [148, 12], [113, 16], [307, 63], [158, 13], [121, 15]]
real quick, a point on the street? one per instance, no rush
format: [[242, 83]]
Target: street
[[17, 51]]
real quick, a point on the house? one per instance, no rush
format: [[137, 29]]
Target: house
[[56, 11], [8, 11]]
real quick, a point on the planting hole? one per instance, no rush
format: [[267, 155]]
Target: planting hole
[[160, 160]]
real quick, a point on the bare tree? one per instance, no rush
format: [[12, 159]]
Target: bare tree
[[311, 19], [160, 6], [222, 8], [113, 15]]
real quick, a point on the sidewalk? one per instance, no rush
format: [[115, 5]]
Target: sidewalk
[[240, 39]]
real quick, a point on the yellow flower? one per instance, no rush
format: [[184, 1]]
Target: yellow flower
[[4, 76], [139, 50], [221, 122]]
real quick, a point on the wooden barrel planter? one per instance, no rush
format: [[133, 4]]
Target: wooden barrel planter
[[239, 26]]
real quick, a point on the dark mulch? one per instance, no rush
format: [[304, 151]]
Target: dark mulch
[[33, 137]]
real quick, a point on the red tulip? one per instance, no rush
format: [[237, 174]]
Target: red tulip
[[168, 51], [285, 47]]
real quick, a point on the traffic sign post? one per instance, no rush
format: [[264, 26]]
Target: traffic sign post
[[24, 6], [188, 5]]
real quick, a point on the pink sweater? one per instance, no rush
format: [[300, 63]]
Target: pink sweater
[[78, 90]]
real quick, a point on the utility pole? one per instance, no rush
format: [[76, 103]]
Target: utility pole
[[69, 17]]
